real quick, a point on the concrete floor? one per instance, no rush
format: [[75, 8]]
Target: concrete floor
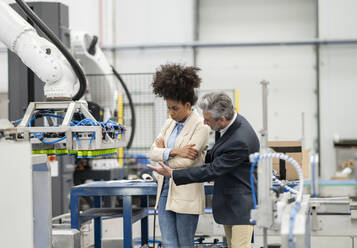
[[113, 230]]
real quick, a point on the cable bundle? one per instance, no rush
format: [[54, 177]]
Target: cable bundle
[[109, 128], [255, 158]]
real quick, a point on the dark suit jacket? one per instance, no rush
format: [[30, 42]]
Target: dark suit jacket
[[230, 168]]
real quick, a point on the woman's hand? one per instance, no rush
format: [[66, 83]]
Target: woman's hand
[[159, 143], [185, 152]]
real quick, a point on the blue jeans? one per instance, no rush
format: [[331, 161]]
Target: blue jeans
[[177, 230]]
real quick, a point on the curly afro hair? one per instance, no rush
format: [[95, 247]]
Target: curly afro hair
[[177, 82]]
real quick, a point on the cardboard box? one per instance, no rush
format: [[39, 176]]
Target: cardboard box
[[293, 149]]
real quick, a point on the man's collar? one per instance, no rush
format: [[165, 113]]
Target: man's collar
[[222, 131]]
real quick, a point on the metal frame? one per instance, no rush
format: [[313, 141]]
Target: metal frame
[[126, 189], [70, 142], [328, 217], [198, 44]]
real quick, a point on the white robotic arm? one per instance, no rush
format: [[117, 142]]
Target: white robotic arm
[[101, 82], [101, 77], [41, 56], [53, 64]]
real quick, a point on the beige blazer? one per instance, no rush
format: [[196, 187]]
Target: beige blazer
[[190, 198]]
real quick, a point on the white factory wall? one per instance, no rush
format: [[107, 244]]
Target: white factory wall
[[338, 86], [289, 69], [147, 22]]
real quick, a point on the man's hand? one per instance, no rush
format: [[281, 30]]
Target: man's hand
[[163, 170], [185, 152], [159, 143]]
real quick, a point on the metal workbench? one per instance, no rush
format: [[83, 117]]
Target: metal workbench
[[123, 188]]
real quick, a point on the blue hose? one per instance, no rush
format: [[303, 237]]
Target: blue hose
[[252, 181], [292, 222], [313, 181]]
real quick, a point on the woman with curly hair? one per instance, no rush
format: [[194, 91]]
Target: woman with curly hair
[[181, 143]]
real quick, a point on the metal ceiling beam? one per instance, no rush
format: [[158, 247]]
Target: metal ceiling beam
[[231, 44]]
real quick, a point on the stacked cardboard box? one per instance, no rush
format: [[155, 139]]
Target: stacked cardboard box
[[293, 149]]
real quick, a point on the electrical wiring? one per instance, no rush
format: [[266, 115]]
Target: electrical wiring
[[106, 126], [296, 208], [287, 158], [16, 122], [91, 138], [40, 137], [79, 143], [276, 180], [255, 158]]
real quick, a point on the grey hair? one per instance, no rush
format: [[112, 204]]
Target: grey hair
[[218, 104]]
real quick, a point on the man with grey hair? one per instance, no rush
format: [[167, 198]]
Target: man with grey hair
[[228, 164]]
